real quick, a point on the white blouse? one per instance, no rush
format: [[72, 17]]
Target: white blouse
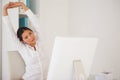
[[34, 60]]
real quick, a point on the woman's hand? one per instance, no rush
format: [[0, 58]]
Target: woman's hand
[[5, 12]]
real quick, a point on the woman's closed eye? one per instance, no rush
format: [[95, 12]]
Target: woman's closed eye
[[25, 37], [30, 33]]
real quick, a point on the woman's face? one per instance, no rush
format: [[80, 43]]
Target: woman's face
[[28, 37]]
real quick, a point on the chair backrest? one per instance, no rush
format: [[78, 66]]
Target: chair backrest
[[17, 65]]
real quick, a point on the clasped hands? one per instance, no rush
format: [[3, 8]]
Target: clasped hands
[[13, 5]]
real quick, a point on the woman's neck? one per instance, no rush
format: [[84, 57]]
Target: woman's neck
[[33, 45]]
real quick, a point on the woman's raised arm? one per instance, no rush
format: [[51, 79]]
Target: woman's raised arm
[[9, 26]]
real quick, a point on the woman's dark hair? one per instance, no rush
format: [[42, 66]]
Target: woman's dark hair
[[20, 32]]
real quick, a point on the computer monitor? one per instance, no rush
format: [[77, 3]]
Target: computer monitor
[[68, 49]]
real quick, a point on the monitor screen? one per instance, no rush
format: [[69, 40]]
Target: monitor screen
[[68, 49]]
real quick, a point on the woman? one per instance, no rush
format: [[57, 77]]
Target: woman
[[28, 43]]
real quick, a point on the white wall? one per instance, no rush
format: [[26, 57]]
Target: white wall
[[54, 20], [35, 6], [99, 18], [0, 41]]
